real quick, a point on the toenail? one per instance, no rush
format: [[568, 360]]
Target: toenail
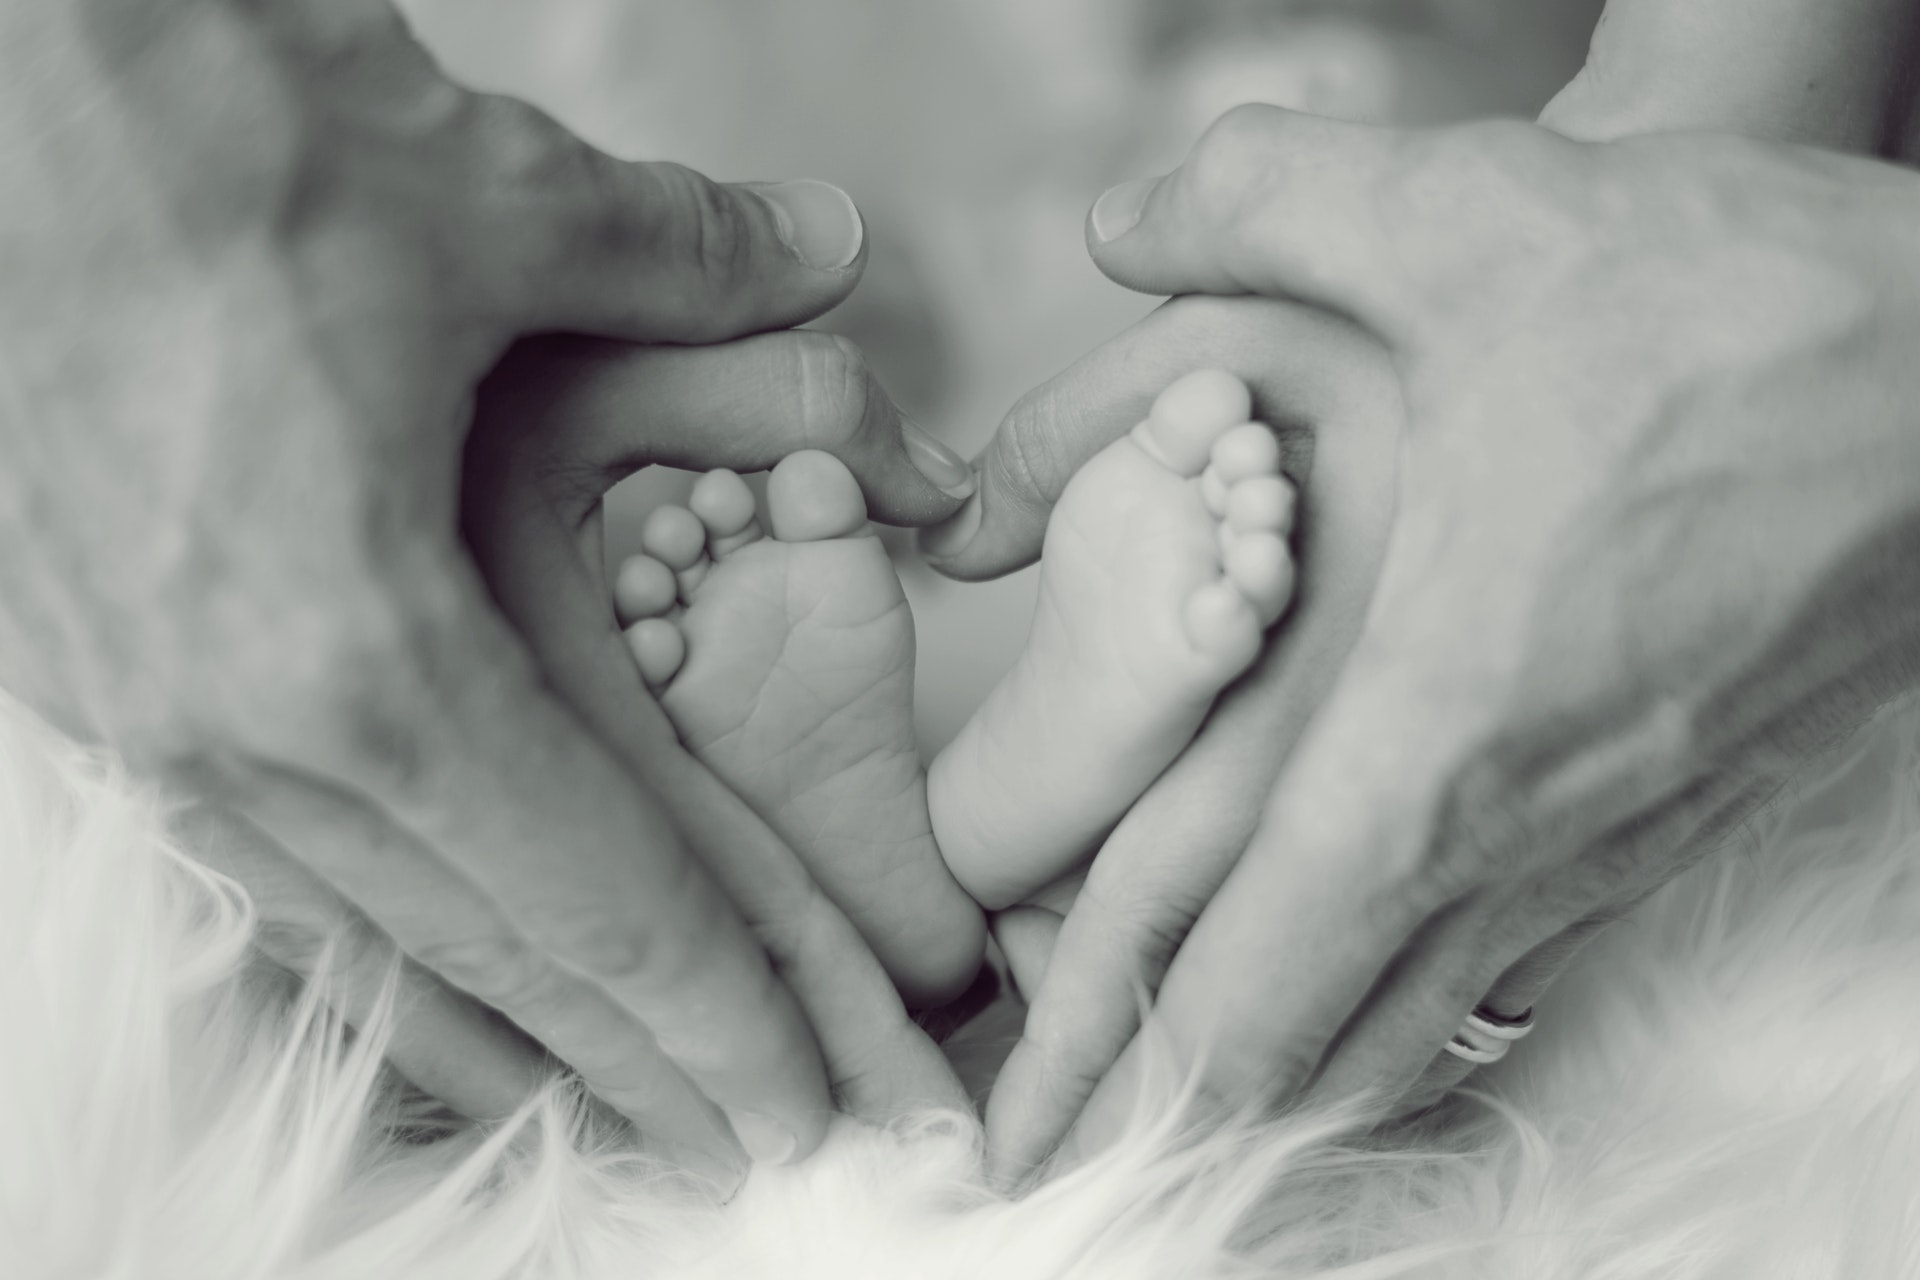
[[939, 464], [953, 535]]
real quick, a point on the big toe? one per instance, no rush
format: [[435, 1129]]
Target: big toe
[[812, 496], [1190, 415]]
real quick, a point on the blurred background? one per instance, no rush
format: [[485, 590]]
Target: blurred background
[[974, 134]]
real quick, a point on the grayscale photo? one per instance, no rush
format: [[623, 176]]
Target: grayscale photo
[[959, 639]]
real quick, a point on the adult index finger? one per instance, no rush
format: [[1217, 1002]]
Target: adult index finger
[[1332, 886], [602, 409], [1292, 356], [548, 581], [1172, 851]]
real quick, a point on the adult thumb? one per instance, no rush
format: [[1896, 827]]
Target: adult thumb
[[1269, 202], [653, 251]]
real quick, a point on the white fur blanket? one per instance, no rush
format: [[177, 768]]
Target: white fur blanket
[[1729, 1086]]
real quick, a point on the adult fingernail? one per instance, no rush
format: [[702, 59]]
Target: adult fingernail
[[766, 1139], [939, 464], [720, 1165], [951, 536], [816, 220], [1118, 211]]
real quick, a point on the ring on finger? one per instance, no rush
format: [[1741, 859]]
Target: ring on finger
[[1488, 1034]]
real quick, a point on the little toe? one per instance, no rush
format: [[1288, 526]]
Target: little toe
[[1262, 504], [1222, 624], [725, 506], [1189, 416], [811, 496], [643, 588], [658, 649], [1261, 569], [1249, 449]]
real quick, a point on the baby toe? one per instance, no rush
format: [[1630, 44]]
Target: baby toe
[[811, 496], [1261, 569], [658, 649], [1249, 449], [724, 504], [1214, 492], [1262, 504], [1222, 625], [643, 588], [1189, 416], [675, 537]]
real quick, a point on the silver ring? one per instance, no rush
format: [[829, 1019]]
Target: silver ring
[[1488, 1034]]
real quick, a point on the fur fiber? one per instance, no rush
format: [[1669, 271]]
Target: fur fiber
[[1729, 1086]]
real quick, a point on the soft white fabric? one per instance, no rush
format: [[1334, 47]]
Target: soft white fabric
[[1728, 1087]]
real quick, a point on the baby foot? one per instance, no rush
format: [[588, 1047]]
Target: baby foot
[[786, 665], [1165, 562]]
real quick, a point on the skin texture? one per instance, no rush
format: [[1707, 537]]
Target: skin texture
[[261, 265], [1166, 865]]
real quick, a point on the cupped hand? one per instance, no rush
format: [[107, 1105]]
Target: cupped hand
[[1655, 543], [258, 260], [1329, 390], [1161, 867]]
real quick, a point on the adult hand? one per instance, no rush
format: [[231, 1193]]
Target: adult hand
[[1648, 69], [1627, 590], [257, 261]]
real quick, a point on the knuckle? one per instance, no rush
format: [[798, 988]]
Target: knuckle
[[497, 967], [835, 388], [538, 174], [1536, 206], [1228, 168], [1033, 457], [1075, 1058], [1486, 150], [1483, 828], [614, 949], [1239, 1070], [1151, 930], [349, 696], [1241, 134], [589, 204], [528, 154], [701, 222], [353, 692]]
